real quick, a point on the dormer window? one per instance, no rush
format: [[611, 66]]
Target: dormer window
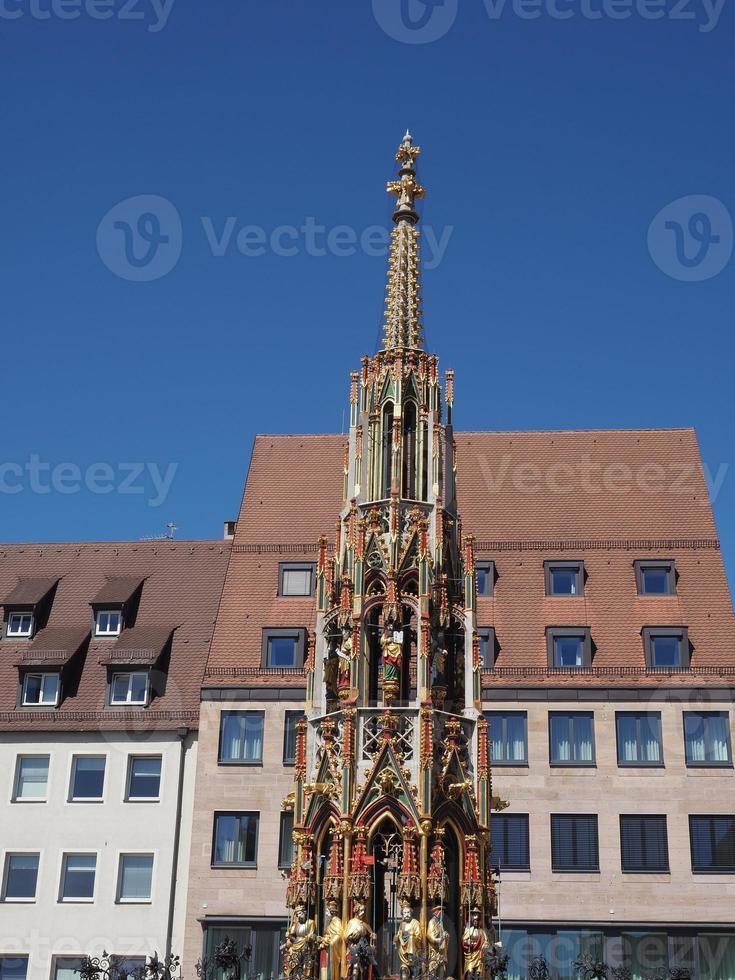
[[41, 690], [20, 625], [130, 688], [108, 622]]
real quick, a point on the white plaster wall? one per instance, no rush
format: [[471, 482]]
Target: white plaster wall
[[47, 928]]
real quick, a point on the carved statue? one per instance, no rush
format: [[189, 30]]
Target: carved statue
[[300, 946], [437, 940], [408, 941], [331, 670], [358, 939], [474, 944], [332, 942], [392, 661], [345, 654]]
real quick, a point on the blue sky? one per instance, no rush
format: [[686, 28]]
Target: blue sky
[[553, 134]]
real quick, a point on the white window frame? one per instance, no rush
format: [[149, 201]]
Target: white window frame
[[43, 675], [11, 899], [128, 702], [143, 799], [72, 776], [62, 879], [16, 777], [107, 632], [19, 634], [118, 888]]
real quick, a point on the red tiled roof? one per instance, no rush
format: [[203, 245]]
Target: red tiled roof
[[183, 584], [607, 497]]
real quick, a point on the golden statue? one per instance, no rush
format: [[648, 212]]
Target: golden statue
[[332, 942], [437, 940], [300, 945], [358, 938], [408, 941], [392, 662], [474, 944]]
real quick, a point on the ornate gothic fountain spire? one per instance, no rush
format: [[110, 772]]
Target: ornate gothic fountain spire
[[402, 327]]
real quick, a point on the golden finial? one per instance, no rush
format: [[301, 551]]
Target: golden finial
[[402, 326]]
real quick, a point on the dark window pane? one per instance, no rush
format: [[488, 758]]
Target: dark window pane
[[13, 967], [568, 651], [21, 876], [655, 580], [563, 581], [282, 651], [707, 737], [235, 838], [241, 736], [285, 850], [289, 735], [510, 841], [665, 651], [145, 777], [89, 778], [713, 843], [574, 845], [79, 874], [644, 843], [571, 737], [487, 648], [484, 580], [639, 738], [508, 736]]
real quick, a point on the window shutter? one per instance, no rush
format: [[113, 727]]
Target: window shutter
[[644, 843], [574, 842]]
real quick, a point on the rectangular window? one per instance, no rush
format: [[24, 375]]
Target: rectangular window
[[241, 737], [235, 841], [289, 736], [486, 637], [87, 778], [508, 732], [67, 968], [717, 957], [296, 579], [129, 688], [564, 578], [13, 967], [707, 738], [283, 648], [41, 690], [655, 577], [639, 738], [144, 777], [77, 877], [135, 878], [569, 647], [572, 738], [510, 850], [666, 647], [20, 624], [644, 843], [485, 574], [713, 844], [31, 781], [264, 940], [285, 844], [108, 622], [20, 877], [574, 842]]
